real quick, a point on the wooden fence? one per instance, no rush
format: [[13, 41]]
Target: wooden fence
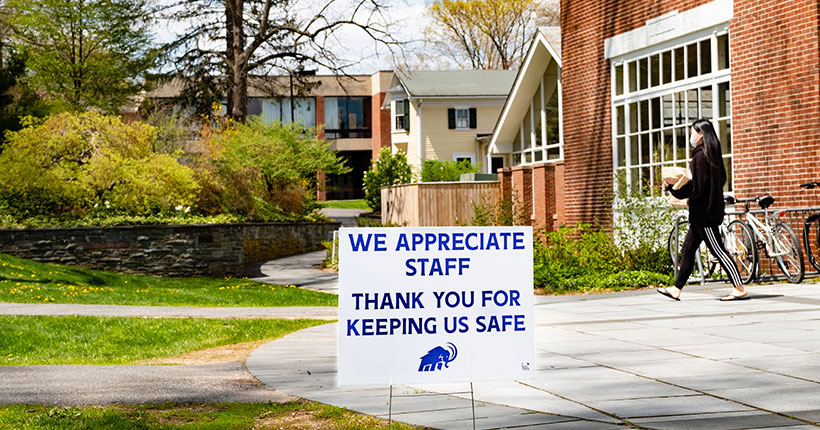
[[435, 203]]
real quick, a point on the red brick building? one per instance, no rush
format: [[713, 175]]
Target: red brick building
[[635, 74]]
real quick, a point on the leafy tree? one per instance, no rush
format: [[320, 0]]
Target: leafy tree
[[390, 169], [73, 163], [445, 171], [264, 172], [487, 34], [237, 38], [84, 53]]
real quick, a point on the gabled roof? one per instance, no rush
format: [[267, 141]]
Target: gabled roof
[[544, 53], [456, 83]]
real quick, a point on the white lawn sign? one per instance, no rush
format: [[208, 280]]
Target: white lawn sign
[[435, 304]]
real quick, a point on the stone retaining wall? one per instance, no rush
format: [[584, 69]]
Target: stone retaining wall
[[174, 250]]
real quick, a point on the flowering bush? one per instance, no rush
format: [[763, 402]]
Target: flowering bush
[[389, 169]]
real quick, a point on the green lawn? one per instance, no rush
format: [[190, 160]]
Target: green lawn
[[26, 281], [223, 416], [345, 204], [29, 340]]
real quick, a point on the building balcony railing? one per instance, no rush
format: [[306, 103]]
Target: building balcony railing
[[361, 133]]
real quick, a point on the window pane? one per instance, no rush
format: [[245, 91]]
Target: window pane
[[668, 146], [706, 102], [633, 150], [526, 132], [656, 113], [527, 157], [679, 63], [723, 51], [692, 105], [645, 149], [724, 100], [516, 159], [620, 120], [643, 73], [692, 60], [705, 56], [553, 126], [254, 106], [633, 117], [667, 67], [644, 111], [657, 144], [680, 143], [635, 177], [646, 186], [680, 112], [333, 113], [633, 76], [619, 79], [725, 136], [727, 164], [621, 152], [553, 153], [668, 118], [654, 69], [517, 142], [539, 156]]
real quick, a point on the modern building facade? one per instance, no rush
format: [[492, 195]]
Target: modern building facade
[[635, 75], [347, 111], [447, 115]]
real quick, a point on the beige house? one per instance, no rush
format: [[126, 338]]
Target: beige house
[[447, 115]]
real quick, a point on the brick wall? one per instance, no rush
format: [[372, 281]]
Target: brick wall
[[381, 124], [182, 250], [775, 97], [775, 60]]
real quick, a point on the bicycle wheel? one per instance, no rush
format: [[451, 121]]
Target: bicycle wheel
[[811, 229], [742, 249], [791, 262]]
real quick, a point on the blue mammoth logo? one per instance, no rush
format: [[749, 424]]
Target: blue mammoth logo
[[438, 357]]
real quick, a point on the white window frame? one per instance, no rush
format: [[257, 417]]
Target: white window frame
[[714, 79], [524, 157], [466, 110], [395, 114]]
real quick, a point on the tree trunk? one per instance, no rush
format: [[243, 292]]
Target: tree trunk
[[228, 71], [238, 87]]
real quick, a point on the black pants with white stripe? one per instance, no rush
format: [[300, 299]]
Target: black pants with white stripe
[[711, 236]]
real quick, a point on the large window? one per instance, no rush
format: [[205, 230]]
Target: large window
[[657, 97], [347, 117], [302, 111], [539, 136]]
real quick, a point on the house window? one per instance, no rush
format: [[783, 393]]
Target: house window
[[462, 118], [347, 117], [651, 123], [401, 113], [303, 109]]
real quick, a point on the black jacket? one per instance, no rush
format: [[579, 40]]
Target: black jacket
[[705, 192]]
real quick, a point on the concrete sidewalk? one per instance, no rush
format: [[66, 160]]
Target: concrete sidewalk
[[300, 270], [627, 359], [61, 309]]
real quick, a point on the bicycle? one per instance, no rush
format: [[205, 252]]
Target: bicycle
[[736, 238], [776, 239], [813, 219]]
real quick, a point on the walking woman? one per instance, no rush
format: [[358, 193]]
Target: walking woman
[[706, 210]]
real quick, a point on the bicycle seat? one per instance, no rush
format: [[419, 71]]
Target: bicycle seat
[[765, 201], [729, 200]]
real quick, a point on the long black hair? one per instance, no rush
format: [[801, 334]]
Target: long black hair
[[711, 148]]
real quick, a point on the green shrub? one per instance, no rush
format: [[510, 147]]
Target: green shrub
[[76, 163], [619, 281], [390, 169], [445, 171], [574, 252], [264, 172]]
